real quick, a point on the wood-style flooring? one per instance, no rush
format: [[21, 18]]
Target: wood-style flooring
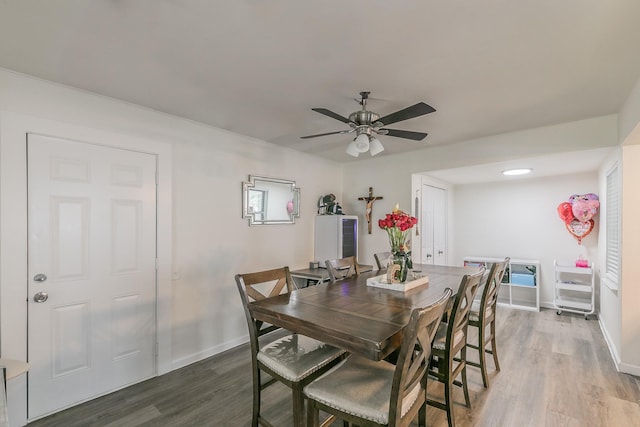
[[556, 371]]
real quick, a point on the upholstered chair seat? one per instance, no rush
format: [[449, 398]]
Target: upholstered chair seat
[[364, 392], [440, 341], [362, 389], [293, 360], [295, 357]]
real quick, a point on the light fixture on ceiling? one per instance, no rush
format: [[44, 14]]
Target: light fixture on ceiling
[[375, 147], [515, 172], [367, 124], [352, 150], [363, 143]]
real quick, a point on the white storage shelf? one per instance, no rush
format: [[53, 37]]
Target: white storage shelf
[[574, 289], [520, 286]]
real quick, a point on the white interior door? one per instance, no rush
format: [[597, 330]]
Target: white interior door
[[434, 225], [92, 271]]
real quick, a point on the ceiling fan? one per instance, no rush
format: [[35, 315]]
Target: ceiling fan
[[367, 124]]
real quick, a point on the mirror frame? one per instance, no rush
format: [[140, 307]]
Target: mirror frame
[[247, 186]]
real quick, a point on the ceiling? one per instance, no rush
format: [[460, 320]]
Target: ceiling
[[258, 67], [564, 163]]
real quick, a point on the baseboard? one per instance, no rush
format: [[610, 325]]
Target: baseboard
[[547, 304], [627, 368], [211, 351]]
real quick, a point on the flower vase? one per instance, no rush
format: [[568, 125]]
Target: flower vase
[[397, 267]]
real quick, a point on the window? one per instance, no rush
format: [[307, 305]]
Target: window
[[612, 209], [258, 204]]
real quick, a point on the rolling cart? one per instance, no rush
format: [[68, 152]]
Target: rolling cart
[[574, 289]]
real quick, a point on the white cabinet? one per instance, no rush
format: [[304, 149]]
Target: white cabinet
[[574, 289], [520, 286], [336, 236]]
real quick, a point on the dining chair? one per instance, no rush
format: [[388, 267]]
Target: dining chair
[[369, 393], [294, 360], [485, 317], [382, 259], [450, 341], [342, 268]]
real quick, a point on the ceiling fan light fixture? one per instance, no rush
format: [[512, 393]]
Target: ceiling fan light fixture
[[362, 143], [367, 124], [375, 147], [352, 150]]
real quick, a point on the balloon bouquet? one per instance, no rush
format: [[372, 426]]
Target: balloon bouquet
[[578, 214]]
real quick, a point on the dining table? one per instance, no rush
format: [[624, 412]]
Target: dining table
[[349, 314]]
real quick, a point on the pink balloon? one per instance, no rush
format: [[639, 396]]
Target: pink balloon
[[584, 210]]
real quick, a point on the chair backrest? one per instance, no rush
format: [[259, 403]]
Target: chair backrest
[[459, 318], [342, 268], [382, 259], [492, 286], [410, 378], [257, 286]]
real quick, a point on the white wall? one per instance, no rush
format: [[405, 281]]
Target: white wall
[[391, 176], [620, 319], [518, 219], [629, 115], [610, 307], [630, 249], [211, 242]]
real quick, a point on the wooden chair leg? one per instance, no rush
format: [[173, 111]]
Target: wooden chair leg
[[467, 401], [448, 401], [494, 348], [256, 398], [422, 415], [313, 415], [481, 355], [298, 405]]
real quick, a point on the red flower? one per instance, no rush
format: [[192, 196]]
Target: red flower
[[397, 224]]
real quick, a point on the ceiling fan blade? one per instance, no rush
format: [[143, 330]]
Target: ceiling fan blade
[[416, 136], [332, 115], [324, 134], [416, 110]]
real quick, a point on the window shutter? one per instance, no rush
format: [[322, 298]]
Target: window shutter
[[613, 227]]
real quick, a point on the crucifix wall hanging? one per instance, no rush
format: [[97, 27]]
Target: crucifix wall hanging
[[369, 199]]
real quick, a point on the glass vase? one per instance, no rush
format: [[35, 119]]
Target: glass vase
[[398, 267]]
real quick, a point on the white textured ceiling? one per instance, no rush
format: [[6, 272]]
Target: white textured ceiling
[[564, 163], [257, 67]]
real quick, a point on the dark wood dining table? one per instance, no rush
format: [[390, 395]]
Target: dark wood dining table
[[348, 314]]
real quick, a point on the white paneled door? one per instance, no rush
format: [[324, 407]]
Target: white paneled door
[[92, 271], [434, 225]]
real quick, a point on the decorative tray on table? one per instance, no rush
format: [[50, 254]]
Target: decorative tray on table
[[382, 282]]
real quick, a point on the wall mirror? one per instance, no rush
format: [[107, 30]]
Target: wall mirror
[[270, 201]]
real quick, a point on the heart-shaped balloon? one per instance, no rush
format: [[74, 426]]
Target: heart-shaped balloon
[[579, 229], [588, 196], [584, 209], [565, 212], [581, 210]]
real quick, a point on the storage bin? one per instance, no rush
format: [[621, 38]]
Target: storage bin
[[523, 279]]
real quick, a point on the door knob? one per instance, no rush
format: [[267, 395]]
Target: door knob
[[428, 256], [39, 277], [40, 297]]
